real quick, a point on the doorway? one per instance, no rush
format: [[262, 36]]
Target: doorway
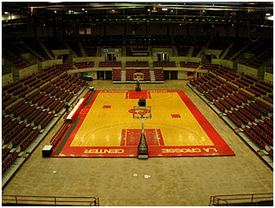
[[100, 75], [174, 74], [163, 56]]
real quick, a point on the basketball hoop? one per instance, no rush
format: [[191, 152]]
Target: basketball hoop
[[138, 76], [142, 112]]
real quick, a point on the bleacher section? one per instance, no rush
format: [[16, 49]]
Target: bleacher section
[[137, 64], [84, 64], [109, 64], [249, 115], [28, 117], [164, 64], [189, 64]]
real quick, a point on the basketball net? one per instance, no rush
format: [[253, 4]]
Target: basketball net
[[142, 113]]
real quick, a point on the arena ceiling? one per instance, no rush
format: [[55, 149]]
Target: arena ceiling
[[48, 13]]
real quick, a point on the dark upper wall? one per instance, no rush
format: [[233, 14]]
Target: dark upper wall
[[140, 29]]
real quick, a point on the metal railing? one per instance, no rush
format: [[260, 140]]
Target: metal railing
[[227, 200], [49, 200]]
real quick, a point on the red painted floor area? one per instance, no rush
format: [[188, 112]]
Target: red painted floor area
[[130, 137]]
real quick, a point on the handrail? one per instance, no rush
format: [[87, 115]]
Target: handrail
[[50, 200], [240, 198]]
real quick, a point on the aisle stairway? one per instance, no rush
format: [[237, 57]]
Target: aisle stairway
[[152, 76], [123, 76]]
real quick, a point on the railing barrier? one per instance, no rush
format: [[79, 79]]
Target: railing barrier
[[227, 200], [49, 200]]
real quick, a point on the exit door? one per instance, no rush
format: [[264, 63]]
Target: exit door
[[163, 57]]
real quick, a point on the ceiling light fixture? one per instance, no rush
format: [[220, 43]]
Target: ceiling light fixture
[[164, 9]]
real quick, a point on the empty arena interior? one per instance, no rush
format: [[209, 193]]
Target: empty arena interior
[[69, 87]]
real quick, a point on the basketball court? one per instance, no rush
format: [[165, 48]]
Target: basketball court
[[106, 127]]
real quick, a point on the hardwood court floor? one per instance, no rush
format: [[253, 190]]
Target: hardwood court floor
[[182, 181], [105, 127]]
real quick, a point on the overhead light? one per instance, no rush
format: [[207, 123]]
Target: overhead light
[[267, 14], [83, 9], [154, 10], [148, 10], [6, 13], [270, 18], [164, 9], [113, 10], [54, 11]]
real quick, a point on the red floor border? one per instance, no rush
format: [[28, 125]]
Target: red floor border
[[220, 148]]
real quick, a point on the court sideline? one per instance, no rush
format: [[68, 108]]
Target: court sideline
[[182, 181]]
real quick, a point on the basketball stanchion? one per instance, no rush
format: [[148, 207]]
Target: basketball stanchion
[[138, 76], [142, 113]]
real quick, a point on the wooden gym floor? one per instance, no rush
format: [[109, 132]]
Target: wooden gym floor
[[105, 127], [181, 181]]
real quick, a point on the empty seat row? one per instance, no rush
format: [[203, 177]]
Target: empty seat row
[[208, 96], [259, 108], [232, 86], [189, 64], [21, 109], [265, 128], [25, 92], [248, 96], [14, 132], [9, 160], [21, 136], [217, 92], [216, 103], [47, 120], [237, 100], [213, 94], [261, 134], [29, 139], [5, 151], [6, 120], [137, 64], [9, 85], [40, 117], [260, 90], [15, 107], [241, 97], [116, 74], [264, 105], [269, 122], [164, 64], [109, 64], [250, 81], [225, 104], [234, 119], [33, 115], [247, 114], [27, 112], [240, 116], [8, 102], [253, 111], [26, 82], [254, 137], [268, 99]]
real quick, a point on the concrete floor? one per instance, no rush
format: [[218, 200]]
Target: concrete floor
[[178, 181]]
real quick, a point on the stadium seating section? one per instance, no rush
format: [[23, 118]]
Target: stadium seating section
[[33, 107]]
